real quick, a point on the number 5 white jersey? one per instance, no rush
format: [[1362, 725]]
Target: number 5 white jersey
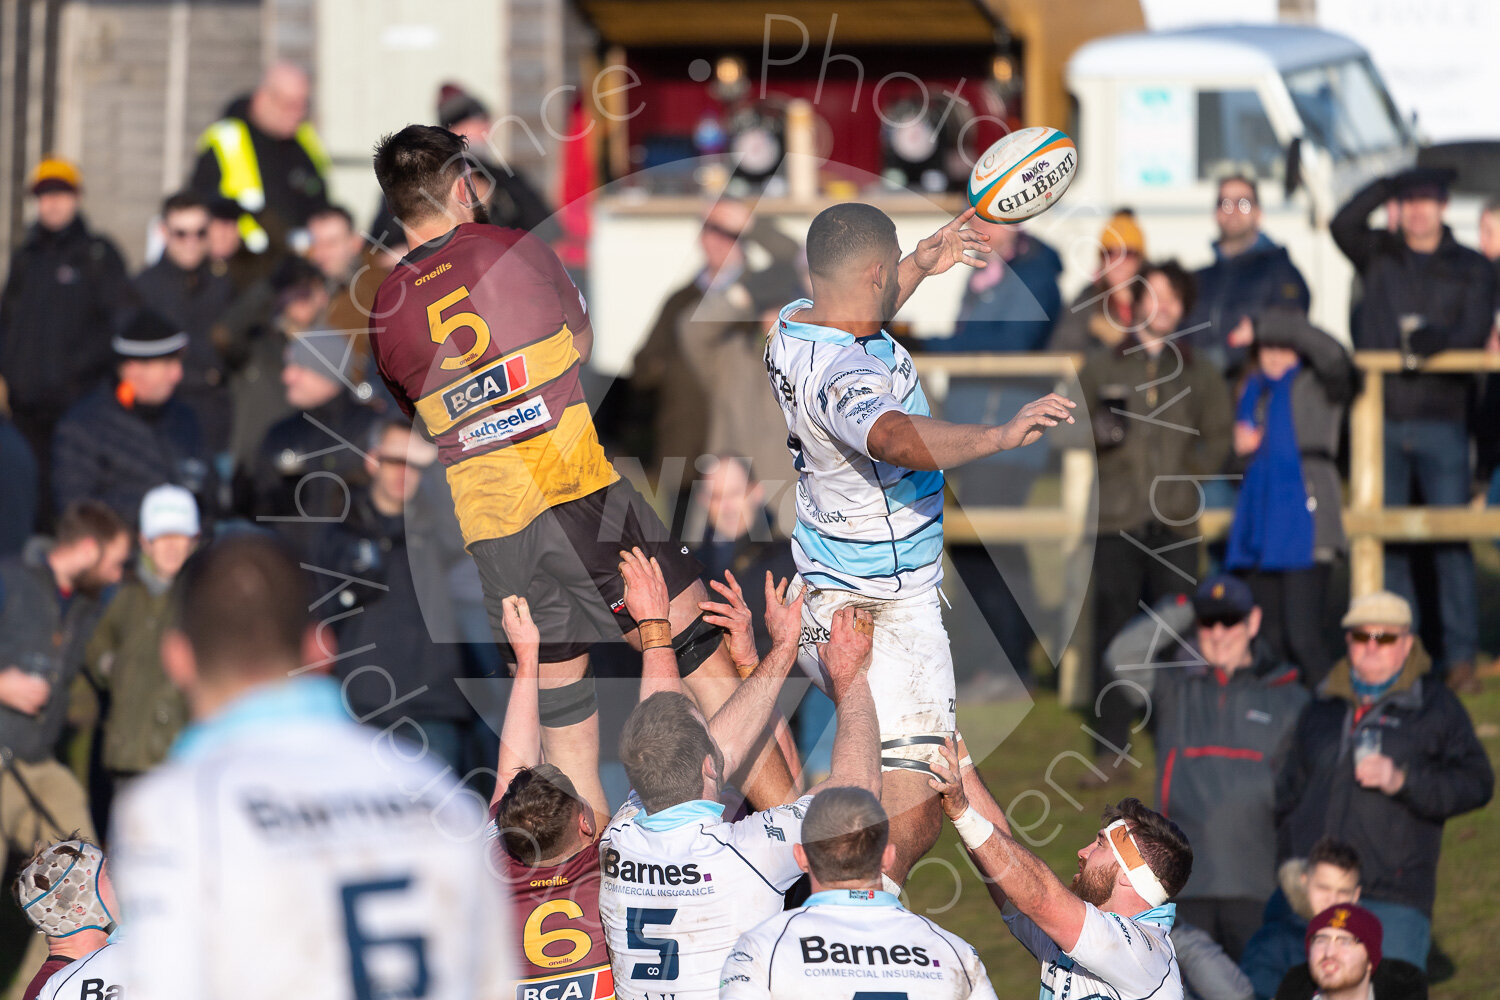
[[283, 851], [849, 944], [678, 888], [862, 525]]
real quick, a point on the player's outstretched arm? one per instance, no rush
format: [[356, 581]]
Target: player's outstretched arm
[[733, 615], [741, 722], [856, 740], [648, 602], [916, 442], [521, 733], [1011, 872], [952, 244]]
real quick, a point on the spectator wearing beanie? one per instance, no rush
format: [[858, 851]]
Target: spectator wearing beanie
[[1344, 962], [1104, 312], [133, 433]]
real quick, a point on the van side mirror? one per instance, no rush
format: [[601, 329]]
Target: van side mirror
[[1292, 176]]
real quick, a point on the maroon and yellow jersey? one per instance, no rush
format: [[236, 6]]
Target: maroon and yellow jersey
[[562, 939], [473, 333]]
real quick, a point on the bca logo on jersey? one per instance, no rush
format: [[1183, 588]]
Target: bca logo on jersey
[[487, 386], [580, 987]]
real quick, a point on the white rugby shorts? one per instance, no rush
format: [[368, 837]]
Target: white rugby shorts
[[911, 666]]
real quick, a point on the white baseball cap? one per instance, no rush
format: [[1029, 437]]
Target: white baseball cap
[[168, 510]]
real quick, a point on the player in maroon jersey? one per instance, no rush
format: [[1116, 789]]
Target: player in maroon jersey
[[481, 333]]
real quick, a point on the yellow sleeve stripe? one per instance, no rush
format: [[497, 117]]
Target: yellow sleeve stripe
[[508, 376]]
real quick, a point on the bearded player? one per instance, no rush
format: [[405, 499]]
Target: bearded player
[[481, 333], [870, 495]]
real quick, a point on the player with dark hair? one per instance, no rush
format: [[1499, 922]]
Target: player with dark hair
[[870, 496], [848, 920], [1106, 934], [481, 333], [284, 849]]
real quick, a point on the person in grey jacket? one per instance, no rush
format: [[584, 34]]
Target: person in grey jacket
[[1288, 525], [1224, 708]]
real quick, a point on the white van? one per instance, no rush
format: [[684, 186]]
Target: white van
[[1161, 116]]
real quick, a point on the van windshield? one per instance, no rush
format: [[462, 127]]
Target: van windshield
[[1345, 108]]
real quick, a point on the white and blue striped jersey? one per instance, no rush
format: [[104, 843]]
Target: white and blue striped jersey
[[843, 944], [678, 887], [1116, 957], [862, 525], [284, 851], [99, 975]]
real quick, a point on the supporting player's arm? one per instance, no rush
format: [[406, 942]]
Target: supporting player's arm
[[521, 733], [1011, 872], [917, 442], [647, 600], [739, 724], [856, 740], [937, 253]]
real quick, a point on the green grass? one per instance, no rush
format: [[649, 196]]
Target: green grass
[[1063, 818]]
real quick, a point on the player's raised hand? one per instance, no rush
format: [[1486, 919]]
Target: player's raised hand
[[953, 244], [851, 640], [1033, 420], [948, 782], [520, 631], [783, 620], [734, 616], [645, 586]]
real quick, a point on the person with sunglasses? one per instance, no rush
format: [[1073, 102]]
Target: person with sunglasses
[[1249, 275], [1224, 705], [1381, 760], [193, 291]]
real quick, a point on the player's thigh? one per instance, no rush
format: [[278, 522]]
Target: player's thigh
[[534, 563], [911, 666]]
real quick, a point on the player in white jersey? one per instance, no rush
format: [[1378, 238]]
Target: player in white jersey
[[870, 494], [1105, 935], [66, 892], [679, 884], [282, 850], [850, 939], [99, 975]]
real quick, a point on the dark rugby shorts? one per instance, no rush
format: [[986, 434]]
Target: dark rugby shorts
[[566, 563]]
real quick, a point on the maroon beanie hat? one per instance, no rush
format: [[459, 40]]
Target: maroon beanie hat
[[1357, 920]]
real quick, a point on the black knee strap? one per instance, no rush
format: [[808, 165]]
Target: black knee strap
[[695, 644], [570, 704], [908, 741]]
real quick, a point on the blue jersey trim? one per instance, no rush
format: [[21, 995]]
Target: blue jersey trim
[[265, 708], [683, 813], [875, 557], [852, 897], [810, 332]]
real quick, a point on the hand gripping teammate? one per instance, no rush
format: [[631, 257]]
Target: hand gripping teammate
[[481, 333], [870, 496]]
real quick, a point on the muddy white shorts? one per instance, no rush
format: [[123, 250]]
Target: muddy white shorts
[[911, 668]]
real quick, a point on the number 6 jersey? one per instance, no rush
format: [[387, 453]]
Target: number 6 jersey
[[680, 886], [473, 332]]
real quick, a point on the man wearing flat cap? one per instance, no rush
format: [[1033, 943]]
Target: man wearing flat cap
[[1381, 760], [133, 432], [63, 298], [1423, 293]]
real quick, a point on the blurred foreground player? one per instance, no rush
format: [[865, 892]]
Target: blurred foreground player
[[548, 821], [282, 850], [481, 333]]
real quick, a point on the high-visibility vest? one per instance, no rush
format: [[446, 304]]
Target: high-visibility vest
[[239, 171]]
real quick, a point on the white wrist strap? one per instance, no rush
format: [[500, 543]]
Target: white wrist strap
[[973, 829], [1142, 879]]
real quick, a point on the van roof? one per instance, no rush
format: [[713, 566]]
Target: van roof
[[1221, 50]]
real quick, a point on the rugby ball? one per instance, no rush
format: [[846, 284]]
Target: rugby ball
[[1022, 175]]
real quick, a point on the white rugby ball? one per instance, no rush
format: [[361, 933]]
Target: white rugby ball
[[1023, 174]]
